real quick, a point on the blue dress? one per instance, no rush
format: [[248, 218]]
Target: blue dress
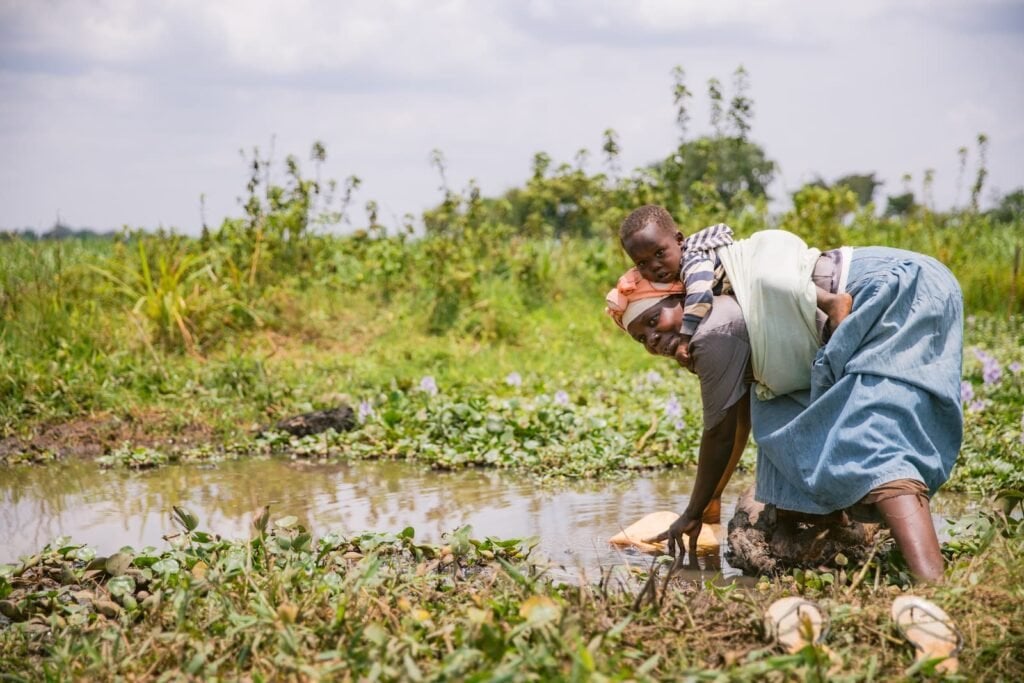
[[884, 402]]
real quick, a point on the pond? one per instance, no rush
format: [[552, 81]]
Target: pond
[[572, 521]]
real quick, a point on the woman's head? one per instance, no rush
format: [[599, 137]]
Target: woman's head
[[657, 327], [646, 310]]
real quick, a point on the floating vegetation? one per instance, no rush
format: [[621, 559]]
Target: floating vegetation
[[381, 606]]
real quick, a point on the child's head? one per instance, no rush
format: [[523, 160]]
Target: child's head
[[653, 242]]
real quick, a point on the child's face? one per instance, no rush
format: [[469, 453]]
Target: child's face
[[657, 328], [657, 253]]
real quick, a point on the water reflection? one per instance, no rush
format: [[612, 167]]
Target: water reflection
[[110, 509]]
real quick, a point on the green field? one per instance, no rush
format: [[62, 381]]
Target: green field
[[480, 342]]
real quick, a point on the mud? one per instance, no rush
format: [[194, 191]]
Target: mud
[[758, 543], [88, 437]]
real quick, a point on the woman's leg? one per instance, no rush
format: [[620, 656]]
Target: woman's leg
[[910, 520]]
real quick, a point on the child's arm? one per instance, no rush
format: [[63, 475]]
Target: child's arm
[[710, 238], [698, 277], [698, 274]]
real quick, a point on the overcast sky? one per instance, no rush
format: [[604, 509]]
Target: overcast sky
[[118, 113]]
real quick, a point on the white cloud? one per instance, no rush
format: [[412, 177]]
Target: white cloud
[[125, 112], [107, 31]]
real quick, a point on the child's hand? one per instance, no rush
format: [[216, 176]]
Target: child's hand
[[682, 354]]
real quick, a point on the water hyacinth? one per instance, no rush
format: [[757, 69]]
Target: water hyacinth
[[1015, 367], [977, 405], [365, 411], [672, 407], [991, 371], [428, 385], [514, 379], [966, 392], [653, 377], [561, 398]]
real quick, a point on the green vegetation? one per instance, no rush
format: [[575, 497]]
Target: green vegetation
[[480, 341], [380, 606]]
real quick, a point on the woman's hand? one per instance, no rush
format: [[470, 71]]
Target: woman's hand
[[684, 524]]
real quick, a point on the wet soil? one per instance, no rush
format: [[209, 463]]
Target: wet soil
[[88, 437]]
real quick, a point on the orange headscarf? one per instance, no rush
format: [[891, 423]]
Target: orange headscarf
[[633, 295]]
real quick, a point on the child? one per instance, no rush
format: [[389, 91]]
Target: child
[[661, 254]]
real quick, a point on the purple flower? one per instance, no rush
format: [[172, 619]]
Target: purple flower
[[991, 373], [672, 408], [653, 377], [976, 406], [966, 392], [561, 398], [514, 379], [365, 411], [679, 425], [428, 385], [1015, 367]]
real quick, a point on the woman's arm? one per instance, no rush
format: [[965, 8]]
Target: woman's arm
[[721, 447], [741, 434]]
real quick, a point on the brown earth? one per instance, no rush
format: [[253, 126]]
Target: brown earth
[[94, 435]]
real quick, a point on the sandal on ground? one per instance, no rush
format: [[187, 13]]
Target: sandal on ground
[[794, 623], [930, 630]]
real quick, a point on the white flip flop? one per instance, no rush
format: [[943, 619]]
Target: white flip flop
[[929, 629], [794, 623]]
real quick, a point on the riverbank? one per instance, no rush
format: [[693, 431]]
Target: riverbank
[[573, 400], [384, 606]]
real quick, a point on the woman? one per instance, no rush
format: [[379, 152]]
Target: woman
[[880, 428]]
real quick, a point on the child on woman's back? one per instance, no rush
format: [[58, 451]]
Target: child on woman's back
[[662, 254]]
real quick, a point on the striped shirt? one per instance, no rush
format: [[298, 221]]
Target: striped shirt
[[703, 274]]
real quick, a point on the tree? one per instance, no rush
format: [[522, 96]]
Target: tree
[[680, 93], [726, 163], [862, 185], [1010, 208], [900, 204], [731, 165], [979, 179]]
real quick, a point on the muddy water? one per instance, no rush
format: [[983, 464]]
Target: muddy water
[[111, 509]]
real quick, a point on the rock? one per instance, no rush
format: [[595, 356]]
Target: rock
[[152, 602], [107, 608], [340, 419], [759, 544], [11, 610]]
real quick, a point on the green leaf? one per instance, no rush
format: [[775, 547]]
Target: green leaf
[[185, 518], [121, 585], [167, 566], [118, 563], [286, 522]]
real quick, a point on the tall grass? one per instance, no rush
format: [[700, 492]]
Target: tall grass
[[150, 319]]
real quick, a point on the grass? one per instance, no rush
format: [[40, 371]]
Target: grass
[[381, 606], [544, 385]]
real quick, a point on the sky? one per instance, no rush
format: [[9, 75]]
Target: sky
[[121, 113]]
